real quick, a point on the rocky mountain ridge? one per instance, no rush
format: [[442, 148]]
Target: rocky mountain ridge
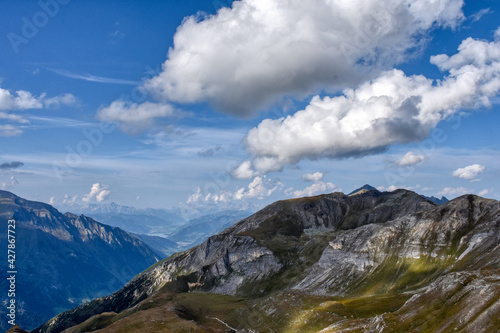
[[317, 258], [64, 260]]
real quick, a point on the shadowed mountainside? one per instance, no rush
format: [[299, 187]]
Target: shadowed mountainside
[[64, 260]]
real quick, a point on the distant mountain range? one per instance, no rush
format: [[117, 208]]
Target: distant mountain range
[[168, 216], [370, 261], [131, 219], [164, 230], [441, 201], [64, 260], [196, 231]]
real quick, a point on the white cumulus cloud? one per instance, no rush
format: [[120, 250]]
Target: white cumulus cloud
[[20, 100], [253, 54], [391, 109], [132, 117], [469, 172], [66, 99], [13, 118], [410, 159], [260, 187], [97, 193], [24, 100], [313, 177], [316, 188], [244, 171], [69, 200], [396, 187]]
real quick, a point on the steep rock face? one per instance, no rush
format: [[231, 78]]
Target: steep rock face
[[461, 235], [64, 260]]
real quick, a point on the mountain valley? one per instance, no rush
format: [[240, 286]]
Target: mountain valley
[[166, 231]]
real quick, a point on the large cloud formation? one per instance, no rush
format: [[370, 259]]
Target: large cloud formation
[[251, 55], [391, 109], [254, 54], [258, 52]]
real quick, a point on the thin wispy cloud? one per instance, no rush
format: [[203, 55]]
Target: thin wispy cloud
[[57, 122], [10, 130], [92, 78], [479, 15]]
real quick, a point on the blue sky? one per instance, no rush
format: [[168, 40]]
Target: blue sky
[[165, 103]]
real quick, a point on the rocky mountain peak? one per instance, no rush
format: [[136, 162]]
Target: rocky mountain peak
[[363, 189]]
